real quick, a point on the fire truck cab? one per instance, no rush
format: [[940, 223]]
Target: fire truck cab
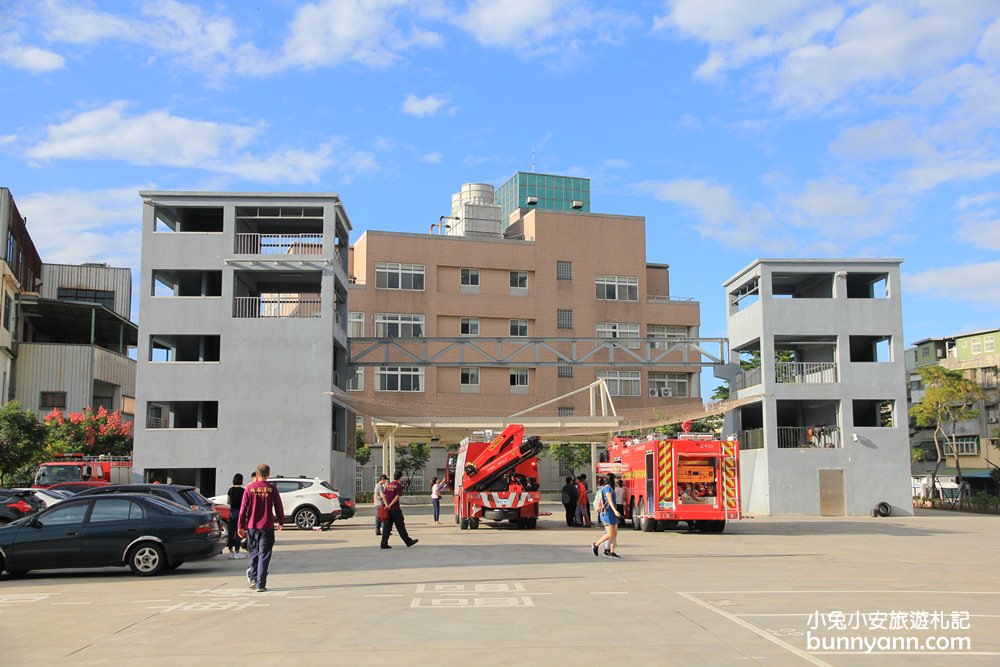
[[692, 478], [105, 469], [496, 480]]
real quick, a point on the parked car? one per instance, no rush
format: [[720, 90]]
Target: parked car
[[308, 503], [186, 496], [347, 508], [47, 496], [75, 487], [18, 503], [147, 533]]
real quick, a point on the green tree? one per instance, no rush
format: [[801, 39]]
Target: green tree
[[574, 456], [22, 441], [362, 450], [949, 398], [89, 432], [410, 459]]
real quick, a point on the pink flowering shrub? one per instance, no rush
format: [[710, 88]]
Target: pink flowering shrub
[[88, 432]]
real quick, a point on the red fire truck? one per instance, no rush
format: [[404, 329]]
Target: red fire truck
[[105, 469], [496, 480], [692, 478]]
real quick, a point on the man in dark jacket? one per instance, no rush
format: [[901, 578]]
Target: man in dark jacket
[[569, 496]]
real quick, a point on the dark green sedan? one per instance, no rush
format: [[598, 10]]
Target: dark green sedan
[[147, 533]]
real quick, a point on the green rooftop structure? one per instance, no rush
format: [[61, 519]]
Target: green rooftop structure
[[545, 191]]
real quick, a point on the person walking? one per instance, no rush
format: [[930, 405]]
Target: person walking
[[609, 517], [378, 497], [436, 489], [393, 494], [620, 497], [235, 496], [260, 516], [569, 494]]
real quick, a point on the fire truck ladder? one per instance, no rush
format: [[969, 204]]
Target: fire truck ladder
[[503, 462], [730, 485]]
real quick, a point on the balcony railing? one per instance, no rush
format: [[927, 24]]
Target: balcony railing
[[155, 422], [751, 439], [793, 437], [806, 437], [656, 298], [279, 244], [807, 372], [746, 379], [298, 306]]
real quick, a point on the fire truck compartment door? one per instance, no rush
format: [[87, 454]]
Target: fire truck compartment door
[[650, 483]]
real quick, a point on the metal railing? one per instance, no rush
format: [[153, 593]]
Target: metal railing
[[805, 372], [279, 244], [806, 437], [656, 298], [282, 306], [751, 439], [746, 379], [155, 422]]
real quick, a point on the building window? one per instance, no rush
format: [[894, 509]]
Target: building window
[[519, 377], [399, 378], [664, 332], [976, 346], [357, 381], [519, 279], [617, 288], [51, 400], [989, 344], [519, 328], [620, 383], [566, 412], [469, 377], [359, 480], [7, 303], [416, 483], [565, 470], [355, 325], [968, 445], [104, 298], [564, 319], [668, 384], [564, 270], [470, 277], [395, 325], [470, 326], [389, 275], [619, 330], [564, 371]]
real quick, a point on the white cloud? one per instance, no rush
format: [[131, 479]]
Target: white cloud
[[74, 226], [431, 158], [423, 106], [982, 233], [160, 138], [970, 282], [891, 138], [30, 58], [7, 139], [555, 28], [722, 217]]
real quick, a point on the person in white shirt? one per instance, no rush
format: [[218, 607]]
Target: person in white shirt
[[378, 497], [436, 489]]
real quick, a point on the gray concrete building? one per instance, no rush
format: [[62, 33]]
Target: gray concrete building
[[242, 339], [827, 433]]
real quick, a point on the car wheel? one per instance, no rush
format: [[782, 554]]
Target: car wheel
[[1, 564], [305, 518], [18, 573], [147, 559]]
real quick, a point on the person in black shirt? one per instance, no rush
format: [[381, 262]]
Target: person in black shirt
[[235, 503], [569, 498]]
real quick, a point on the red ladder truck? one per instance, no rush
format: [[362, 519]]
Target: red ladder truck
[[692, 478], [103, 469], [496, 480]]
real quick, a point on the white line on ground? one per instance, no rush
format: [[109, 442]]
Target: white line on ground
[[757, 631], [604, 593], [384, 595]]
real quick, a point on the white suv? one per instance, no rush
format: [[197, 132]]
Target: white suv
[[308, 503]]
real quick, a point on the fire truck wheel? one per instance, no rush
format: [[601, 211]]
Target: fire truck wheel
[[532, 522], [474, 523], [464, 525], [147, 559], [658, 526]]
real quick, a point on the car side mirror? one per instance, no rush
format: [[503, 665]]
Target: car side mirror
[[35, 522]]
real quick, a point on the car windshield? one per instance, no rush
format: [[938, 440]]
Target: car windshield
[[195, 498], [167, 505], [57, 473]]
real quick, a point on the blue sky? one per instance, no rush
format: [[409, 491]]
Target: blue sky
[[783, 128]]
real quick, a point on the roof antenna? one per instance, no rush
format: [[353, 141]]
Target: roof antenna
[[532, 158]]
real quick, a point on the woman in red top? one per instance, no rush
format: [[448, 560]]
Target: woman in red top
[[393, 493]]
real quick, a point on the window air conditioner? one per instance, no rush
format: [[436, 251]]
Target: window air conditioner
[[666, 392], [654, 393], [993, 420], [531, 201]]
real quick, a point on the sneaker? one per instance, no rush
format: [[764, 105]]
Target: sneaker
[[385, 546], [612, 554], [607, 552], [411, 543], [251, 580], [261, 589], [594, 547], [230, 555], [239, 555]]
